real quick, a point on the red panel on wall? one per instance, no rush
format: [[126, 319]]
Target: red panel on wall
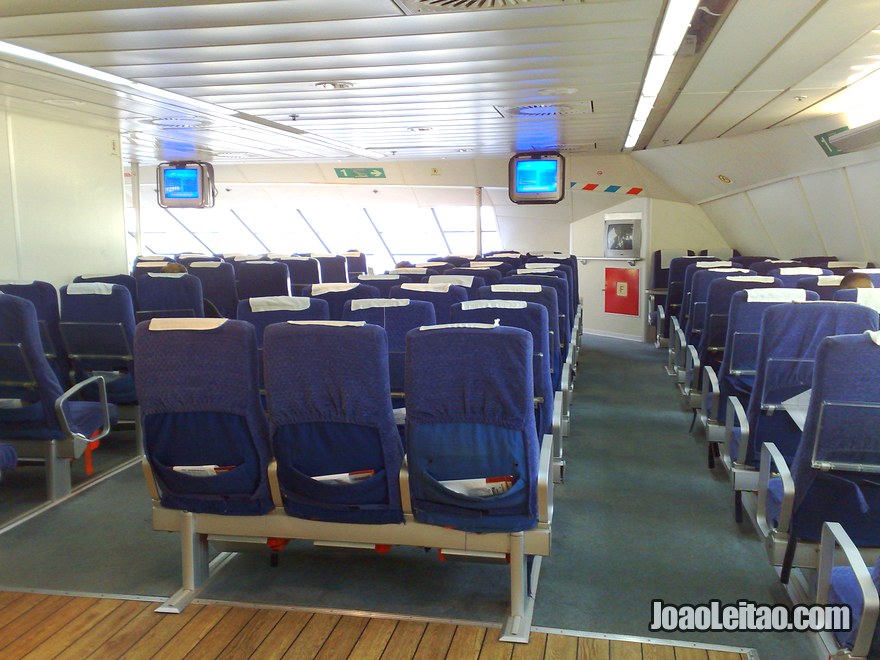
[[622, 291]]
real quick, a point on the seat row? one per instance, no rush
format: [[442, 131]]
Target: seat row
[[326, 463], [783, 387]]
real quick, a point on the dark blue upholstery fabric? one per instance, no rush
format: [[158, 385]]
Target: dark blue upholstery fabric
[[842, 426], [397, 321], [333, 267], [764, 267], [790, 336], [470, 281], [489, 276], [179, 292], [113, 318], [741, 349], [562, 300], [825, 288], [532, 317], [845, 591], [384, 283], [44, 296], [336, 299], [201, 406], [18, 324], [568, 264], [218, 284], [687, 287], [792, 279], [303, 271], [128, 281], [8, 457], [442, 300], [262, 278], [470, 416], [316, 310], [330, 414], [697, 314], [543, 295]]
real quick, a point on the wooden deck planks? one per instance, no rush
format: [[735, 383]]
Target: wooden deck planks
[[39, 626]]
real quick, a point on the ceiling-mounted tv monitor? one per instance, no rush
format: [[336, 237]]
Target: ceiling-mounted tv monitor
[[536, 178], [186, 184]]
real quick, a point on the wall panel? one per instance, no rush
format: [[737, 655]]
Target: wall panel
[[863, 182], [737, 222], [828, 196], [784, 213]]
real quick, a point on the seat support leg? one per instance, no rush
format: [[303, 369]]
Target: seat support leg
[[522, 592], [194, 565], [58, 483]]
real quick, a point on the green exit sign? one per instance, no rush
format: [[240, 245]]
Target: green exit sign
[[827, 147], [359, 172]]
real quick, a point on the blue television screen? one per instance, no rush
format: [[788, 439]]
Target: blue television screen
[[181, 183], [536, 178]]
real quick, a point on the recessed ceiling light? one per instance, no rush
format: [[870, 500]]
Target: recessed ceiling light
[[464, 150], [558, 91]]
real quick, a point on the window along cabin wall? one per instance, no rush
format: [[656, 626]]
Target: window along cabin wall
[[61, 200]]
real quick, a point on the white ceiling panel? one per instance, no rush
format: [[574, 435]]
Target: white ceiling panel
[[259, 66]]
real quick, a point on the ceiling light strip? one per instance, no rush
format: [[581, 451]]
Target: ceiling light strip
[[676, 21]]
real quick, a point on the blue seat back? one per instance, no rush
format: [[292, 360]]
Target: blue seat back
[[336, 294], [568, 264], [675, 293], [687, 288], [471, 282], [790, 336], [303, 271], [791, 275], [442, 296], [98, 319], [560, 285], [718, 298], [824, 285], [44, 297], [529, 316], [200, 406], [470, 416], [764, 266], [355, 264], [333, 267], [398, 316], [128, 281], [170, 294], [264, 311], [332, 425], [384, 283], [503, 267], [187, 258], [868, 297], [696, 316], [262, 278], [545, 296], [835, 466], [218, 284], [489, 276]]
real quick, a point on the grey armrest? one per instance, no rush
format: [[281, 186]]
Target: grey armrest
[[770, 456], [735, 410], [80, 441]]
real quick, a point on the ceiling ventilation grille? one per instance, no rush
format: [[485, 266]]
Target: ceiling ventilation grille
[[433, 6], [547, 109]]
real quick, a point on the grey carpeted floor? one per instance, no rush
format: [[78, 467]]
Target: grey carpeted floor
[[639, 517]]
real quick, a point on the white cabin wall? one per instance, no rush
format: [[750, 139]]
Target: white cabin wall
[[62, 208], [775, 192]]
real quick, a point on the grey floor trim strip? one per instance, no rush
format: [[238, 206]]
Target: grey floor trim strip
[[15, 522], [84, 594], [647, 640]]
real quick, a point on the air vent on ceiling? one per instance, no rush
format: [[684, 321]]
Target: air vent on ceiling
[[546, 109], [433, 6]]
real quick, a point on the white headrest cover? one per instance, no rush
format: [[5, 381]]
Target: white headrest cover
[[494, 304], [485, 264], [205, 264], [869, 298], [152, 257], [776, 295], [185, 324], [714, 264], [83, 277], [277, 255], [172, 276], [484, 326], [246, 257], [332, 287], [874, 335], [353, 253], [751, 278], [90, 288], [437, 288], [541, 265], [515, 255], [461, 280], [729, 270], [847, 264], [534, 271], [369, 303], [867, 270], [322, 256], [829, 280], [668, 254], [338, 324], [150, 265], [260, 261], [363, 277], [277, 303], [193, 255], [516, 288], [409, 271], [804, 270], [432, 264], [289, 258]]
